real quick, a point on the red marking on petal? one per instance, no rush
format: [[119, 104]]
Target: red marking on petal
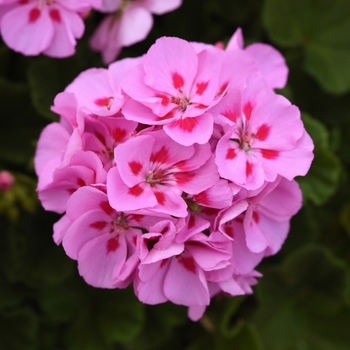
[[135, 191], [71, 190], [118, 134], [231, 114], [98, 225], [200, 106], [231, 153], [191, 221], [188, 263], [201, 198], [55, 15], [106, 208], [178, 80], [183, 178], [269, 153], [100, 137], [229, 231], [160, 197], [112, 244], [135, 167], [23, 2], [210, 211], [134, 240], [162, 156], [255, 216], [263, 132], [165, 117], [248, 168], [34, 14], [104, 102], [81, 182], [186, 124], [136, 217], [165, 99], [247, 110], [201, 87], [163, 263], [222, 88]]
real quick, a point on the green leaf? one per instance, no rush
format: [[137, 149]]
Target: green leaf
[[320, 27], [310, 285], [323, 178], [18, 329], [49, 77]]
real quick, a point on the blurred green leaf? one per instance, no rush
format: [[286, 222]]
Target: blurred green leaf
[[49, 77], [310, 285], [320, 27], [323, 178], [18, 329]]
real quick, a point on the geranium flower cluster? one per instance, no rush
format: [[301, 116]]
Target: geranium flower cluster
[[175, 170], [51, 27]]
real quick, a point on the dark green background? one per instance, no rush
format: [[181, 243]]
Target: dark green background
[[301, 303]]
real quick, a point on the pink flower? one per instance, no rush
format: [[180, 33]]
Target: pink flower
[[130, 24], [152, 172], [264, 137], [50, 27]]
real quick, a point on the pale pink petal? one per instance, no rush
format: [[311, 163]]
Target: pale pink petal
[[27, 29], [160, 7], [236, 41]]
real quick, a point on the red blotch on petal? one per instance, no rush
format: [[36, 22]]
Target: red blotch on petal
[[81, 182], [191, 221], [247, 110], [134, 240], [55, 15], [106, 208], [135, 167], [222, 89], [269, 153], [23, 2], [182, 178], [118, 134], [188, 263], [100, 137], [165, 99], [178, 80], [161, 157], [255, 216], [201, 87], [186, 124], [229, 231], [136, 217], [104, 102], [160, 197], [201, 198], [112, 244], [232, 114], [34, 14], [167, 116], [248, 168], [99, 225], [231, 153], [136, 190], [200, 106], [263, 132]]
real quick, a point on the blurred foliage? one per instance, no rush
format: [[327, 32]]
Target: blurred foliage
[[301, 303]]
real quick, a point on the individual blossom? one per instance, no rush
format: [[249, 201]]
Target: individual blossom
[[107, 252], [153, 171], [129, 22], [264, 137], [50, 27]]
